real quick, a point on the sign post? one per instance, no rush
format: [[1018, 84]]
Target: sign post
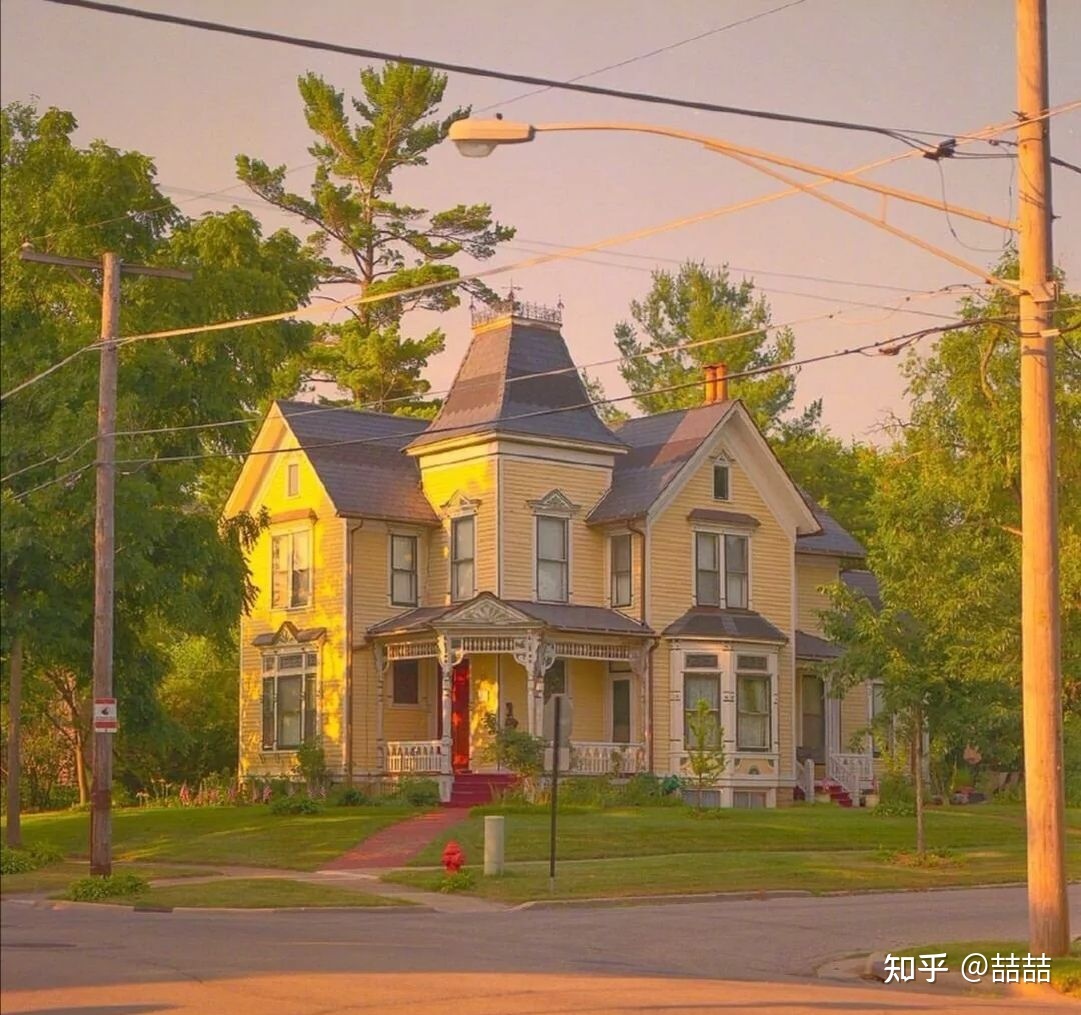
[[557, 727]]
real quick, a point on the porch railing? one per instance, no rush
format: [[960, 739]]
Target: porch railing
[[855, 772], [601, 758], [414, 756]]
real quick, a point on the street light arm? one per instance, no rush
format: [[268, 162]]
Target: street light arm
[[728, 148]]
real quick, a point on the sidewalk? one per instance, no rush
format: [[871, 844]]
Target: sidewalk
[[397, 844]]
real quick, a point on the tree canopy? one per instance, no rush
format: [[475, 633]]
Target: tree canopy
[[374, 243]]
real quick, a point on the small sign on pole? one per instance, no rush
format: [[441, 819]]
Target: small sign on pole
[[105, 719]]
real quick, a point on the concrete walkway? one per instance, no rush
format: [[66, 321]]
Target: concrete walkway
[[396, 845]]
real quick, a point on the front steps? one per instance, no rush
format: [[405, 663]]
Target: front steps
[[475, 789]]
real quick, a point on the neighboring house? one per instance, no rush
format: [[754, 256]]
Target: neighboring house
[[416, 577]]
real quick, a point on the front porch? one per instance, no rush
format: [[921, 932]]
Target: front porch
[[444, 677]]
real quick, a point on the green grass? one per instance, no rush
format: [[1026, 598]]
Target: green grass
[[1065, 972], [247, 836], [58, 876], [735, 871], [646, 831], [254, 893]]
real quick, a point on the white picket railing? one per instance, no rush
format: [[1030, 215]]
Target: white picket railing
[[414, 755], [855, 772], [805, 772], [600, 758]]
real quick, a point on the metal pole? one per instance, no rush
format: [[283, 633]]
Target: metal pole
[[104, 551], [555, 792], [1041, 673]]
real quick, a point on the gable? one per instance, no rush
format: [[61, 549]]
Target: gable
[[488, 610], [759, 481]]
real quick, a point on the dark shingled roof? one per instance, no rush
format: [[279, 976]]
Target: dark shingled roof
[[810, 646], [712, 622], [369, 476], [562, 616], [660, 446], [833, 540], [495, 390], [865, 582]]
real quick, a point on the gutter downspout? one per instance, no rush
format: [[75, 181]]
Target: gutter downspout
[[348, 694], [653, 645]]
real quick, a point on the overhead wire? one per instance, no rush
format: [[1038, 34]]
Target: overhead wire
[[904, 136], [380, 405], [569, 252]]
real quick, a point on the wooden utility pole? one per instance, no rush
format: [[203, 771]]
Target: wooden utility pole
[[104, 543], [1041, 673]]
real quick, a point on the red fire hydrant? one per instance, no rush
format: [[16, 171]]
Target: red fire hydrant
[[453, 857]]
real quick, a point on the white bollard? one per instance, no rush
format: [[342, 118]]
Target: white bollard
[[493, 844]]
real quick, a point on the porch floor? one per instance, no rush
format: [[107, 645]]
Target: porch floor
[[397, 845]]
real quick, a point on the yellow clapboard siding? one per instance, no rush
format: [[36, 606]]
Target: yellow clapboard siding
[[526, 480], [813, 572]]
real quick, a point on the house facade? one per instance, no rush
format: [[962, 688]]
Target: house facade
[[416, 578]]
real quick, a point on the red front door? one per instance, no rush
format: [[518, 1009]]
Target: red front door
[[459, 717]]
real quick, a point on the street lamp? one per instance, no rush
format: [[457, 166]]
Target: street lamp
[[1036, 292]]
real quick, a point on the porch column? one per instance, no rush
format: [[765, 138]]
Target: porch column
[[446, 671], [639, 661], [379, 655]]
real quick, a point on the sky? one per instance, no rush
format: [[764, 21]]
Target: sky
[[193, 101]]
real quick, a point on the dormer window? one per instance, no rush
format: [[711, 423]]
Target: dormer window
[[721, 480]]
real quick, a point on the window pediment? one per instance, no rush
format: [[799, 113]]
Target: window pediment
[[459, 505], [555, 502], [489, 611], [289, 634]]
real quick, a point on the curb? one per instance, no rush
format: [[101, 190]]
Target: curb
[[408, 907], [663, 900]]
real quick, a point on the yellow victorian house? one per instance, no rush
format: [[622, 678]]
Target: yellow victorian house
[[416, 577]]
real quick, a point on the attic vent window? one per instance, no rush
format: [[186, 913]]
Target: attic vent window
[[720, 481], [292, 480]]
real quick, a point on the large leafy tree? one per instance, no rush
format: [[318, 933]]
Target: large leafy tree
[[378, 244], [702, 304], [947, 523], [176, 568]]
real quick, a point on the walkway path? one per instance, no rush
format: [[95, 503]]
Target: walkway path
[[397, 844]]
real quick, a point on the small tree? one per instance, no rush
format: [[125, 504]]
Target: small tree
[[516, 750], [706, 752]]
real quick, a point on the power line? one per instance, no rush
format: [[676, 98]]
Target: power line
[[60, 457], [647, 55], [484, 72], [888, 346]]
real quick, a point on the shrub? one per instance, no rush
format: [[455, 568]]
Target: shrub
[[459, 881], [897, 798], [312, 765], [19, 861], [95, 888], [419, 792], [589, 790], [348, 796], [292, 805]]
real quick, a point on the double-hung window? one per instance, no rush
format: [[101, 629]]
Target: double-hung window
[[291, 570], [720, 481], [753, 703], [736, 572], [620, 546], [462, 548], [403, 570], [701, 682], [552, 559], [707, 569], [290, 711], [715, 555]]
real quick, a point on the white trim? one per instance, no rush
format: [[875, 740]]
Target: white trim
[[499, 561], [464, 441]]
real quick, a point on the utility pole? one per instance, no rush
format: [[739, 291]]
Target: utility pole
[[111, 268], [1041, 672]]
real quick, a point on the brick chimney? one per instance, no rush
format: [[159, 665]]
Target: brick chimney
[[716, 383]]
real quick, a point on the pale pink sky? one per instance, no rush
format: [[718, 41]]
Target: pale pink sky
[[192, 101]]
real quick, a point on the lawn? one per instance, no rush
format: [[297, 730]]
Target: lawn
[[1065, 972], [248, 836], [735, 871], [57, 876], [254, 893], [646, 831]]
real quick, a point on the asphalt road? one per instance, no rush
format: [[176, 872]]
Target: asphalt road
[[687, 957]]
